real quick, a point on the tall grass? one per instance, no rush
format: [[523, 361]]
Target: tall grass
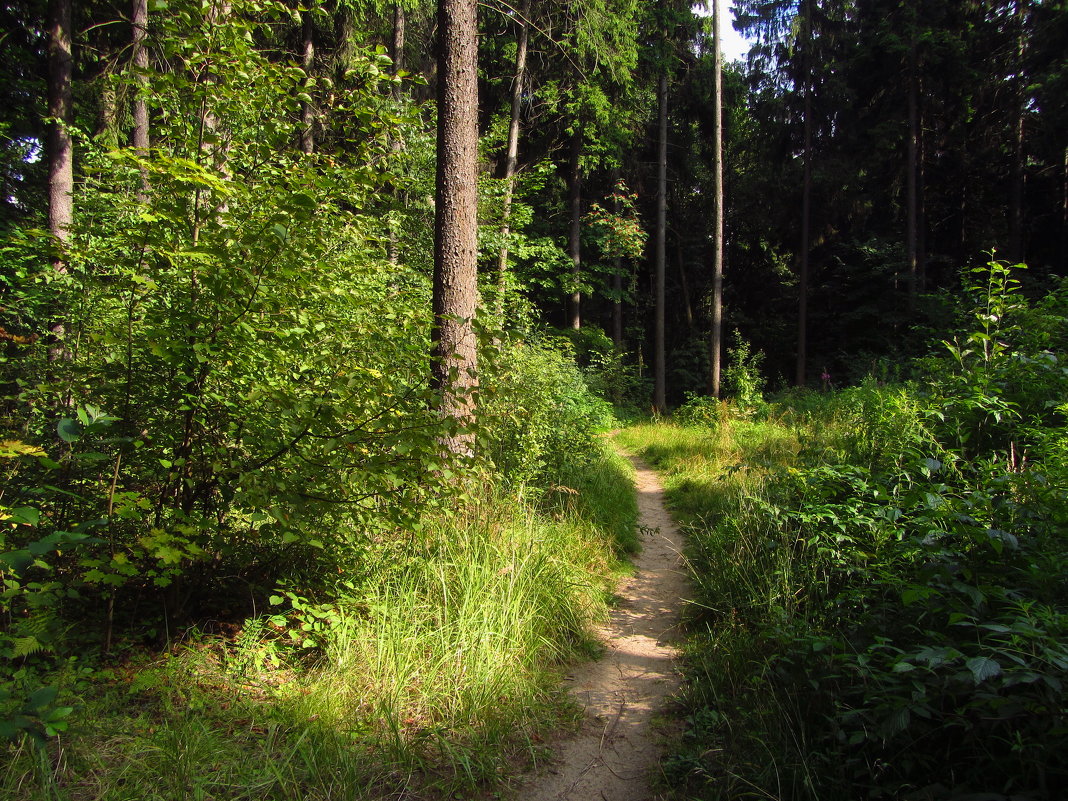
[[439, 680]]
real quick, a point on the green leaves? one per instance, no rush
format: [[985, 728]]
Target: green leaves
[[37, 717]]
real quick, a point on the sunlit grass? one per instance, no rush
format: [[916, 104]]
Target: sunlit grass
[[440, 679]]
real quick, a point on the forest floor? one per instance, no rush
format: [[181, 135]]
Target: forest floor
[[615, 754]]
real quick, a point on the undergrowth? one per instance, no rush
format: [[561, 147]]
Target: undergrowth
[[880, 609], [437, 681]]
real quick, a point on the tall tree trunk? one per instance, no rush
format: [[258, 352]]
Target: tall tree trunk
[[921, 193], [659, 358], [217, 15], [512, 156], [59, 145], [801, 374], [60, 108], [307, 111], [1016, 191], [396, 53], [1064, 214], [396, 50], [140, 138], [687, 300], [454, 356], [715, 354], [574, 239], [617, 276], [912, 171]]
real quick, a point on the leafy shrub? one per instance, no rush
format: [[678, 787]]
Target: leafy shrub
[[702, 410], [886, 615], [537, 413], [742, 378]]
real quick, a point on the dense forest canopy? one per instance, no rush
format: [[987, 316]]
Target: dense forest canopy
[[896, 141]]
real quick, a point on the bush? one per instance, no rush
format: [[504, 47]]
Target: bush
[[702, 411], [537, 414]]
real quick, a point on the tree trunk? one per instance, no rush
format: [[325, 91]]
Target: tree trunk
[[454, 356], [801, 374], [912, 173], [59, 145], [396, 53], [60, 107], [140, 138], [921, 191], [617, 277], [396, 50], [1016, 192], [307, 112], [574, 240], [660, 367], [511, 159], [217, 15], [715, 354], [687, 300], [1064, 214]]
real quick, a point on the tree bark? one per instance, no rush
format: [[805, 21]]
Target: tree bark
[[574, 240], [921, 192], [1064, 214], [140, 139], [687, 300], [396, 53], [59, 146], [454, 356], [512, 156], [912, 172], [60, 107], [1016, 192], [617, 276], [715, 354], [660, 367], [307, 111], [801, 374], [396, 50]]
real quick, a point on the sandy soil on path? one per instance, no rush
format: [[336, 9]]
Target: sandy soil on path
[[614, 755]]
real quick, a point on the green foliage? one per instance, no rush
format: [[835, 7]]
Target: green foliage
[[259, 368], [882, 606], [742, 378], [617, 234], [702, 410], [537, 415], [436, 675]]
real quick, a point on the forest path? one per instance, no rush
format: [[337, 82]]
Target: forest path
[[614, 755]]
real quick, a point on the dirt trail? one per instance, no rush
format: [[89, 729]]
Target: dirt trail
[[614, 755]]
